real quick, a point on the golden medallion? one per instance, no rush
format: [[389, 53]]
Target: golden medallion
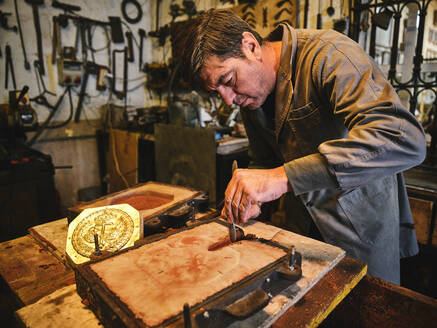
[[116, 227]]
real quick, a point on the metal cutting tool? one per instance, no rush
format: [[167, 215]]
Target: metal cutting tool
[[232, 230]]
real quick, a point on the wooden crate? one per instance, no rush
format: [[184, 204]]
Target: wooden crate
[[423, 205]]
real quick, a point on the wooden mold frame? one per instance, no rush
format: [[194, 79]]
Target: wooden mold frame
[[114, 313], [176, 195]]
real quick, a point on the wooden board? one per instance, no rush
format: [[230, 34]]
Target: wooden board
[[376, 303], [324, 296], [318, 259], [309, 311], [62, 308], [422, 210], [180, 269], [52, 236], [122, 158], [30, 270], [151, 198]]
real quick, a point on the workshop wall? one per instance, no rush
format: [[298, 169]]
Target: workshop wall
[[74, 144]]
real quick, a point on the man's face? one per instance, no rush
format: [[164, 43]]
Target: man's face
[[242, 81]]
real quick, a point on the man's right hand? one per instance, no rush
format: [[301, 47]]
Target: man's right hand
[[253, 211], [249, 188]]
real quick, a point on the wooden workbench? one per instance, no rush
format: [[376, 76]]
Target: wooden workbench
[[46, 279], [47, 247]]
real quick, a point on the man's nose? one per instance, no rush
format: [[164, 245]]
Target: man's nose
[[227, 94]]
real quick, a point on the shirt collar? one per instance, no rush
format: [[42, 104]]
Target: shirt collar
[[284, 78]]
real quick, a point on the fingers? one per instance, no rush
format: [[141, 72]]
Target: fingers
[[229, 196], [253, 211], [244, 208], [224, 215], [236, 202]]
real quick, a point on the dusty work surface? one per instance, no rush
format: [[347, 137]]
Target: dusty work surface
[[30, 270], [324, 296], [62, 308], [193, 273], [52, 236], [318, 259], [180, 269]]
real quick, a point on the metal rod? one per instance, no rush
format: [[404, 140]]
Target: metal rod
[[394, 47]]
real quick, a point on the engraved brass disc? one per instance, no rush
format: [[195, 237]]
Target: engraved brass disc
[[116, 226], [113, 227]]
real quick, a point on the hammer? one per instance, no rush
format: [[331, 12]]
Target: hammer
[[35, 4]]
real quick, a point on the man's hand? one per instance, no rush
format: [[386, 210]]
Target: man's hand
[[248, 189]]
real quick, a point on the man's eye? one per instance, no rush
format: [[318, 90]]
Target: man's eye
[[228, 82]]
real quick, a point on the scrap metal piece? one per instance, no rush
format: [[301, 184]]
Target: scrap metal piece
[[116, 227], [249, 304]]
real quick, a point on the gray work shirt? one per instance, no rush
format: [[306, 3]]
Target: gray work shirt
[[343, 136]]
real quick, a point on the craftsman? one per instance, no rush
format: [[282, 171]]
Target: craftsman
[[327, 128]]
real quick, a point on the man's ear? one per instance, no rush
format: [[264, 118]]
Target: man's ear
[[250, 46]]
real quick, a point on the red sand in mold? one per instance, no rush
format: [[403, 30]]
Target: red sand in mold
[[143, 202]]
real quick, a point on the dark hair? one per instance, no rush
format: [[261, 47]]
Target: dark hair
[[216, 32]]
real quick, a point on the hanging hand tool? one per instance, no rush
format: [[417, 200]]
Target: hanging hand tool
[[42, 100], [139, 14], [265, 17], [26, 62], [40, 80], [65, 7], [90, 42], [4, 22], [142, 35], [286, 10], [82, 26], [330, 10], [319, 18], [282, 2], [189, 8], [130, 47], [60, 21], [175, 11], [90, 68], [9, 67], [101, 78], [120, 94], [116, 29], [35, 4], [246, 15], [55, 39], [161, 34]]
